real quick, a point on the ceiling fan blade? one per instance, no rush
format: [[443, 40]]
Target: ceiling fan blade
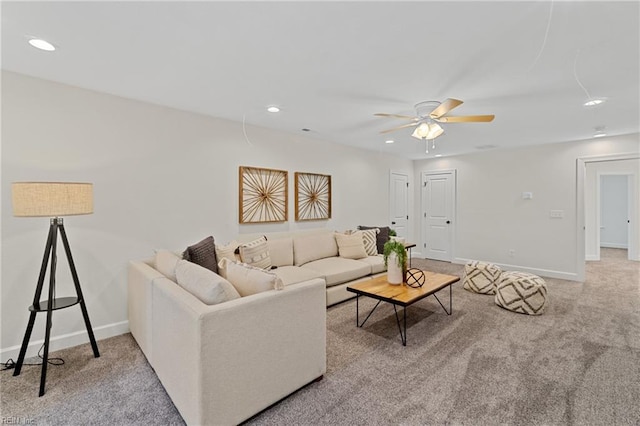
[[399, 127], [445, 107], [380, 114], [467, 119]]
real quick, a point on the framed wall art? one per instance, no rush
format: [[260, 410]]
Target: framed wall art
[[263, 195], [313, 196]]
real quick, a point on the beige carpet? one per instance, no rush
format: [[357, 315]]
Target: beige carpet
[[579, 363]]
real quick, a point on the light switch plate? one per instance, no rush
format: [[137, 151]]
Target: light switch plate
[[556, 214]]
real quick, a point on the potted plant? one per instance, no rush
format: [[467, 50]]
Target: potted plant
[[393, 236], [395, 259]]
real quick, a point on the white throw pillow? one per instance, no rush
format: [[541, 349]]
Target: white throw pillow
[[370, 237], [166, 262], [351, 246], [256, 253], [227, 251], [249, 280], [204, 284]]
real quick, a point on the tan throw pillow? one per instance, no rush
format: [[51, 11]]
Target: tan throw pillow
[[256, 253], [166, 262], [351, 246], [369, 237], [227, 251], [204, 284], [249, 280]]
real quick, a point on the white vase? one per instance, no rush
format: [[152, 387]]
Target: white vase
[[394, 272]]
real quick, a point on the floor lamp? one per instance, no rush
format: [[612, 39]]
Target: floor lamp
[[52, 199]]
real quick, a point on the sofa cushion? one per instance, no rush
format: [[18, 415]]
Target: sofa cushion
[[227, 251], [382, 237], [376, 262], [351, 246], [295, 274], [203, 253], [337, 270], [204, 284], [256, 253], [370, 238], [307, 248], [250, 280], [165, 262], [281, 251]]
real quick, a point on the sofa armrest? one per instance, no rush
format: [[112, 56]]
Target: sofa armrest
[[221, 364], [140, 277]]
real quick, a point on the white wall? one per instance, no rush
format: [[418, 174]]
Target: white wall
[[614, 211], [594, 170], [162, 178], [493, 218]]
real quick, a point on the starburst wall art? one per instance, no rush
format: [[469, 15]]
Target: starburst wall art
[[313, 196], [263, 195]]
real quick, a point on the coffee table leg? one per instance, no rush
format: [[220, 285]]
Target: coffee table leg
[[365, 320], [450, 301], [403, 336]]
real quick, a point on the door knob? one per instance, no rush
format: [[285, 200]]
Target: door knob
[[393, 223], [448, 221]]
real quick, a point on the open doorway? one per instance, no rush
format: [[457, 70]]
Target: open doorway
[[588, 208]]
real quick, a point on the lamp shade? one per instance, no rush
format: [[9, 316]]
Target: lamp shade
[[51, 199]]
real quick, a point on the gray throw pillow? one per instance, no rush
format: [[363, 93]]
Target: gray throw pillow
[[381, 238], [203, 254]]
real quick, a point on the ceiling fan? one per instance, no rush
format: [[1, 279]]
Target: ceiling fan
[[429, 114]]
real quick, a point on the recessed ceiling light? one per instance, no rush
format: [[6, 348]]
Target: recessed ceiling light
[[438, 155], [389, 141], [42, 44], [593, 102], [273, 108]]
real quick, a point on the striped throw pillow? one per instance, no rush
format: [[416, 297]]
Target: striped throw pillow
[[256, 253]]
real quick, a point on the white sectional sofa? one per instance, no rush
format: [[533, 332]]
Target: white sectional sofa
[[303, 255], [223, 363]]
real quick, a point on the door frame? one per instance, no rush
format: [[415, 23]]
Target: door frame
[[581, 171], [454, 216]]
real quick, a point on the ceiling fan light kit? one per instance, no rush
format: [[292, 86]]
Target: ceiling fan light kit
[[429, 114]]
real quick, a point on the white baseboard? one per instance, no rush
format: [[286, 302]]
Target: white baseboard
[[614, 245], [67, 340], [593, 257], [571, 276]]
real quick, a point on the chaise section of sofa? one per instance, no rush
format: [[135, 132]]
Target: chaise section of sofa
[[221, 364]]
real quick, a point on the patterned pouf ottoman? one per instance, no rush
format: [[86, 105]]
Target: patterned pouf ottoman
[[521, 292], [481, 277]]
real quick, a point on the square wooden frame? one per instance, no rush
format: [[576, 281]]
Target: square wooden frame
[[312, 196], [263, 195]]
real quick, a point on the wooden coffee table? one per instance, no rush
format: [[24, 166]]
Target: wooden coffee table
[[401, 295]]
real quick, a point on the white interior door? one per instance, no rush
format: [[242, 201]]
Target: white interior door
[[399, 203], [614, 211], [438, 195]]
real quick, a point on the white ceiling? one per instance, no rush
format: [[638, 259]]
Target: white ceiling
[[331, 65]]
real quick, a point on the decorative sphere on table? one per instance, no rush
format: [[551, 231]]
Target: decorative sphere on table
[[415, 277]]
